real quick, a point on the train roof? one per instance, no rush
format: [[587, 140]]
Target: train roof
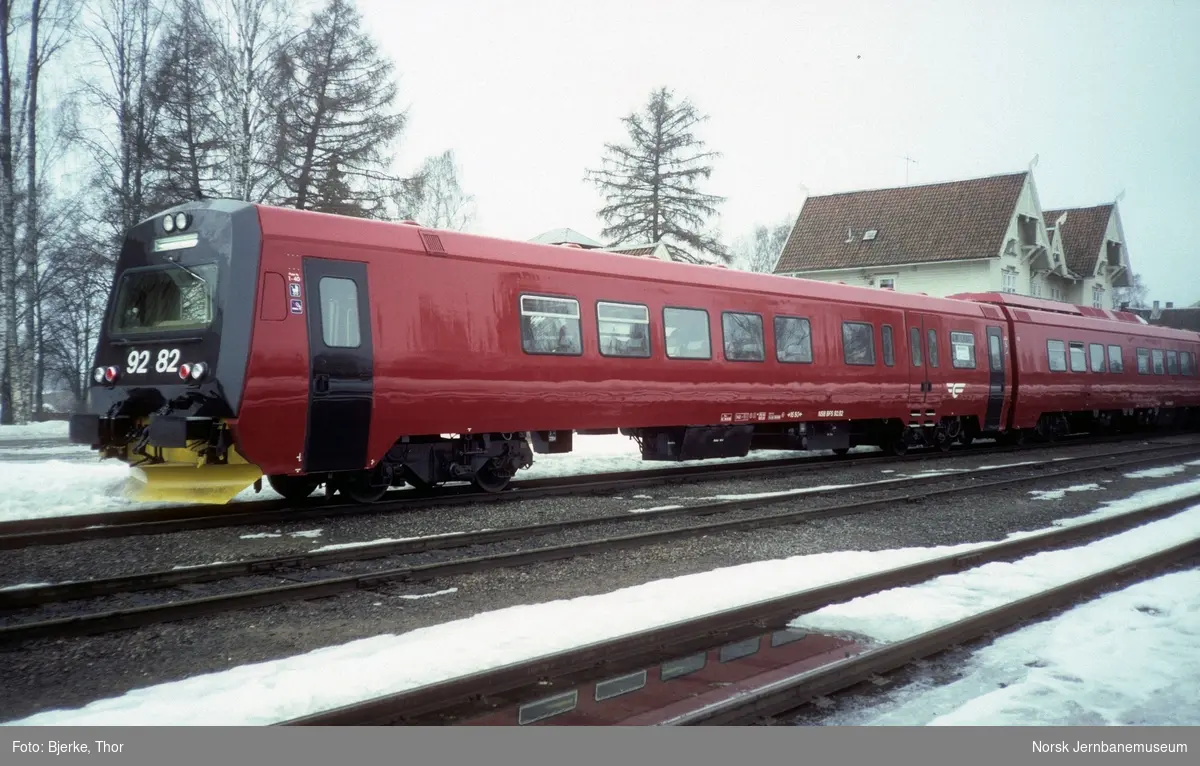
[[1069, 315], [293, 224]]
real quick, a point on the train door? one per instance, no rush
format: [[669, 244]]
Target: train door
[[341, 364], [923, 349], [996, 379]]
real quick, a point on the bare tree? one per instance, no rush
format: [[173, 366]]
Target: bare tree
[[434, 197], [8, 218], [649, 184], [337, 120], [760, 251], [252, 37], [1133, 296]]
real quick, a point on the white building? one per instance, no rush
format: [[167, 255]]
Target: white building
[[565, 236], [979, 235]]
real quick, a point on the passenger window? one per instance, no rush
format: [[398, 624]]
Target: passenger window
[[550, 325], [687, 334], [1096, 350], [1157, 356], [339, 312], [914, 342], [933, 354], [1078, 358], [889, 350], [1143, 357], [793, 339], [1172, 363], [858, 343], [624, 329], [1058, 355], [963, 348], [1185, 363], [994, 353], [1116, 361], [743, 337]]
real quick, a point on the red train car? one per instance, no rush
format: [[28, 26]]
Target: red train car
[[1086, 369], [244, 340]]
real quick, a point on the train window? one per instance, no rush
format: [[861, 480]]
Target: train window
[[743, 337], [1116, 361], [1172, 363], [914, 342], [624, 329], [1156, 355], [933, 355], [1185, 362], [165, 298], [550, 325], [1058, 355], [1143, 357], [889, 349], [339, 312], [858, 343], [793, 339], [1096, 351], [687, 334], [994, 354], [962, 345], [1078, 357]]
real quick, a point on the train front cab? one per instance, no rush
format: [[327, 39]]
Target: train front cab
[[171, 356]]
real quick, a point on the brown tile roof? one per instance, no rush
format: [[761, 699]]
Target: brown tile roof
[[915, 224], [1082, 235], [1180, 319]]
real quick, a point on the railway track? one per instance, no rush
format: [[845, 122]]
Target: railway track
[[61, 530], [21, 628], [557, 682]]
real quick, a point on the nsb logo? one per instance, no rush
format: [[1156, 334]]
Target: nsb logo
[[955, 388]]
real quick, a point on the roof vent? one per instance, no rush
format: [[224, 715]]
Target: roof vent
[[870, 234], [849, 236]]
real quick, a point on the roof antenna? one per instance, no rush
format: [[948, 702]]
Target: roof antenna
[[907, 162], [1120, 197], [1033, 162]]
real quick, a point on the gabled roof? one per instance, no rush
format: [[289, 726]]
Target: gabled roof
[[1180, 319], [1082, 235], [951, 221], [564, 236]]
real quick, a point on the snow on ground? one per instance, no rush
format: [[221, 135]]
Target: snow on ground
[[1061, 672], [39, 488], [1160, 472], [1059, 494], [269, 692]]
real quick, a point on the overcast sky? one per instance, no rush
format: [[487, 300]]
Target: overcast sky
[[813, 97]]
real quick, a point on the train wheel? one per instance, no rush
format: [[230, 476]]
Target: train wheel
[[897, 447], [294, 487], [488, 480], [368, 486]]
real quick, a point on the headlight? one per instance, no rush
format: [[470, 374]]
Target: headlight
[[198, 370], [169, 224], [181, 221], [98, 374]]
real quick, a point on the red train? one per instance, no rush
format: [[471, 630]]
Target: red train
[[243, 340]]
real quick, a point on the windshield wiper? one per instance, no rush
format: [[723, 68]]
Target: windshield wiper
[[193, 274]]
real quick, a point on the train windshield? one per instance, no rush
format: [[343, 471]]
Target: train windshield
[[165, 298]]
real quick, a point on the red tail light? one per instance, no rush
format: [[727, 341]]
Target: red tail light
[[110, 374], [184, 371]]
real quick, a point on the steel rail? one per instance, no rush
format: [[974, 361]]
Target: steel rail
[[467, 695], [169, 578], [103, 622], [62, 530], [791, 693]]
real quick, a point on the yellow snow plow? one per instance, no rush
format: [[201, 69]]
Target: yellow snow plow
[[185, 477]]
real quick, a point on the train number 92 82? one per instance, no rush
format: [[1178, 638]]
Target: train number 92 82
[[138, 362]]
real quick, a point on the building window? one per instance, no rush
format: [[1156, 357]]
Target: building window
[[888, 282], [1010, 281], [1097, 296], [1035, 288]]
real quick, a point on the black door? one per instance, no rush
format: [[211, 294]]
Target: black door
[[995, 405], [341, 365]]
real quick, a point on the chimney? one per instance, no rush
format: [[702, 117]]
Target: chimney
[[1156, 305], [1170, 305]]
